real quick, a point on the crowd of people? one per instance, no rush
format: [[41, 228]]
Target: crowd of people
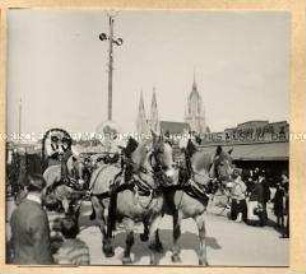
[[250, 192]]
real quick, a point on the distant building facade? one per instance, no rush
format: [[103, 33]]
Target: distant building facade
[[250, 132], [255, 144]]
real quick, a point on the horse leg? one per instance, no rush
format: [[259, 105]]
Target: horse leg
[[177, 218], [145, 235], [200, 220], [158, 244], [152, 240], [100, 218], [129, 227]]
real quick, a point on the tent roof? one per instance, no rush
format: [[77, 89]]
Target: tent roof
[[257, 152]]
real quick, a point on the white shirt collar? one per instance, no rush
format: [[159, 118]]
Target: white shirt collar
[[34, 198]]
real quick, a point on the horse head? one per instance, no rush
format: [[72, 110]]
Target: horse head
[[75, 168], [222, 165], [161, 159], [154, 158]]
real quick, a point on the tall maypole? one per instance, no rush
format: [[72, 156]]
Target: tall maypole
[[118, 42]]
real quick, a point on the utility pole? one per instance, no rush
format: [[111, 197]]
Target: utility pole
[[112, 41], [19, 120]]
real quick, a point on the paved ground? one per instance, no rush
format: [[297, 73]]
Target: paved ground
[[229, 243]]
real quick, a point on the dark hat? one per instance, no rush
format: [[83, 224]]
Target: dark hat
[[37, 182], [262, 173]]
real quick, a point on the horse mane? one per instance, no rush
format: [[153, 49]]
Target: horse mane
[[191, 149], [202, 160], [139, 154], [131, 146]]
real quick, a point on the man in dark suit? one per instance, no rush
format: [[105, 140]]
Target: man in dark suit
[[30, 228]]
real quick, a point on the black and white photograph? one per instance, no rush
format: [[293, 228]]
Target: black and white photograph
[[147, 137]]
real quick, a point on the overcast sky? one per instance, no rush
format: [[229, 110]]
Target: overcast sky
[[57, 65]]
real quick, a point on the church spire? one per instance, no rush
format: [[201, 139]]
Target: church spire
[[154, 122], [195, 115], [141, 123], [194, 83]]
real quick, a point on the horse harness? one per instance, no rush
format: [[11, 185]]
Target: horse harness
[[192, 187]]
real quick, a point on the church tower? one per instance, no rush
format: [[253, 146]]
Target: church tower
[[141, 122], [154, 122], [195, 113]]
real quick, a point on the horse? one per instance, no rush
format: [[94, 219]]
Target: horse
[[188, 197], [59, 193], [138, 198]]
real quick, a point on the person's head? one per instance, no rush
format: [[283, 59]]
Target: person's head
[[69, 228], [36, 183], [261, 174], [236, 173], [284, 179], [284, 174]]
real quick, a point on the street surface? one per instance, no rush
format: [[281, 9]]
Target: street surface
[[228, 243]]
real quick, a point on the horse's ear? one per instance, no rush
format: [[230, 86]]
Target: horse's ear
[[154, 135], [161, 134], [218, 150], [230, 151]]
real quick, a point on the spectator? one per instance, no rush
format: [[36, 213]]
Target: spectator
[[30, 228], [238, 195], [266, 195], [278, 205], [285, 185], [256, 212], [247, 177], [73, 251]]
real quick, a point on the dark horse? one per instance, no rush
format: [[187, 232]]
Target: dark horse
[[138, 198], [189, 199]]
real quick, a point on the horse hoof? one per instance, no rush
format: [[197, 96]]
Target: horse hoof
[[203, 262], [126, 260], [176, 259], [108, 252], [159, 248], [153, 262], [144, 237]]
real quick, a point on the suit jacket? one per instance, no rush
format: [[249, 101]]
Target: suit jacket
[[257, 193], [30, 234]]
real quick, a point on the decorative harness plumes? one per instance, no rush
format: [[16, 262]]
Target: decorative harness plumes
[[66, 138]]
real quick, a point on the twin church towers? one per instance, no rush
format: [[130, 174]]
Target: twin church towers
[[194, 115]]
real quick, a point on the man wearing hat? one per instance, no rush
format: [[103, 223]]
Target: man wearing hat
[[30, 228], [238, 194]]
